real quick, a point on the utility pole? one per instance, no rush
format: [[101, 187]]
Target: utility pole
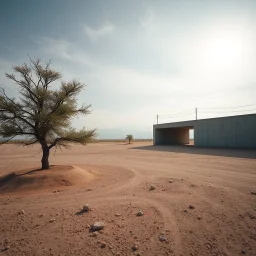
[[157, 119], [196, 113]]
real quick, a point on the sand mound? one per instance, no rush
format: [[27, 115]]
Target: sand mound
[[38, 180]]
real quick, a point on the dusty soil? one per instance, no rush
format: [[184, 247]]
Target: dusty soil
[[114, 179]]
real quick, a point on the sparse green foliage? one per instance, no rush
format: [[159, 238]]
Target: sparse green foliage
[[129, 137], [42, 114]]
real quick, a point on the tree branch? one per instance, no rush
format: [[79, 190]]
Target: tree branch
[[3, 142]]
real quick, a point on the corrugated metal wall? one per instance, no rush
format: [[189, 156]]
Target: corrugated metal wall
[[228, 132]]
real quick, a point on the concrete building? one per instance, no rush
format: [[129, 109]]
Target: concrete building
[[227, 132]]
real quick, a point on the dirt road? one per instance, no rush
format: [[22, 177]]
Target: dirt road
[[201, 205]]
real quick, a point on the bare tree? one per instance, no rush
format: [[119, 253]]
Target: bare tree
[[42, 113]]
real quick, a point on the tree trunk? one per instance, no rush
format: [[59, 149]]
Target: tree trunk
[[45, 158], [129, 141]]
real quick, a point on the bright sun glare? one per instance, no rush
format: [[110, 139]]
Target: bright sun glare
[[225, 49]]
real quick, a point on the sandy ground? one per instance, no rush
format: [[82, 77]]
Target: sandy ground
[[114, 179]]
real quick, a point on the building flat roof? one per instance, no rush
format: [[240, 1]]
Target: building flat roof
[[191, 123]]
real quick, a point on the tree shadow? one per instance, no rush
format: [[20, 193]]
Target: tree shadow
[[190, 149], [7, 179], [4, 180]]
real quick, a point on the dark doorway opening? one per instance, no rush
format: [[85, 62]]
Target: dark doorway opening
[[173, 136]]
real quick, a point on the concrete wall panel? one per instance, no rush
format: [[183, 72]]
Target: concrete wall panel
[[227, 132]]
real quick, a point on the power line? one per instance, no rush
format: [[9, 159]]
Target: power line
[[208, 111], [176, 114], [227, 111], [249, 105]]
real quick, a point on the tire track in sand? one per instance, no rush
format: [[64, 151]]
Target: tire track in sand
[[124, 192]]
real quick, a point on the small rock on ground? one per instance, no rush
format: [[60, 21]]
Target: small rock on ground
[[253, 193], [243, 251], [162, 238], [135, 247], [94, 234], [152, 187], [191, 206], [21, 212], [86, 208], [5, 248], [98, 226], [140, 213], [103, 244], [170, 181]]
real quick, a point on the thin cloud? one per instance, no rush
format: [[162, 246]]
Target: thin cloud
[[95, 34], [63, 50], [55, 47]]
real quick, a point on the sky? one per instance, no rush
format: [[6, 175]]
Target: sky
[[139, 59]]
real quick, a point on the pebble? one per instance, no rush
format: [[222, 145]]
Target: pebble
[[170, 181], [253, 193], [135, 247], [103, 244], [152, 187], [243, 251], [140, 213], [199, 217], [21, 212], [7, 241], [162, 238], [98, 226], [86, 208], [117, 214], [94, 234], [52, 220], [191, 207]]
